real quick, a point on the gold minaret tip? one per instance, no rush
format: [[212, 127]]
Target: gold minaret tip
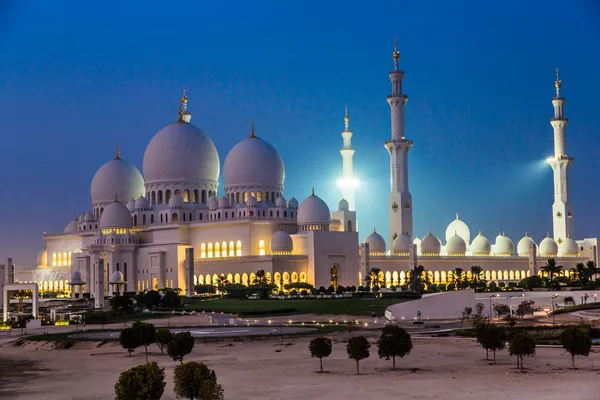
[[557, 84], [184, 98], [396, 54], [346, 118]]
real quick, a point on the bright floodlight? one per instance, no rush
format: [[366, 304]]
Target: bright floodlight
[[348, 183]]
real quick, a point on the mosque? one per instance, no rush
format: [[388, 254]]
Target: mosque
[[172, 226]]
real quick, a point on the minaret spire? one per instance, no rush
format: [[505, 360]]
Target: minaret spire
[[347, 182], [400, 199], [118, 153], [562, 210]]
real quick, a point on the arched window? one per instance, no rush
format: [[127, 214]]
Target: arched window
[[252, 278], [54, 259], [69, 259], [237, 279], [231, 249], [160, 197], [153, 197], [237, 197], [261, 248], [229, 278], [209, 252], [134, 220], [200, 216], [219, 215], [244, 279], [217, 250], [167, 196], [186, 196], [125, 271], [245, 197], [191, 217], [277, 277], [166, 218], [161, 218], [349, 226], [286, 278], [224, 250], [59, 260], [258, 196], [285, 214], [183, 216], [215, 279], [177, 192], [208, 280], [152, 218], [195, 196], [266, 196], [203, 196], [201, 279], [238, 248], [294, 277], [144, 219], [203, 250]]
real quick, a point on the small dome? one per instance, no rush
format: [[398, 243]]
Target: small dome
[[175, 201], [117, 278], [343, 205], [142, 203], [376, 243], [313, 210], [223, 202], [116, 178], [460, 228], [88, 217], [548, 247], [481, 246], [76, 278], [42, 258], [251, 201], [253, 162], [115, 215], [281, 242], [280, 202], [401, 245], [456, 246], [430, 245], [131, 205], [72, 227], [504, 247], [81, 217], [180, 152], [293, 203], [213, 203], [523, 246], [568, 248]]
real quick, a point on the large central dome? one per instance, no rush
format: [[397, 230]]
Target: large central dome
[[180, 152]]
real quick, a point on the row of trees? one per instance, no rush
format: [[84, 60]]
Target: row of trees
[[192, 380], [393, 342], [178, 345]]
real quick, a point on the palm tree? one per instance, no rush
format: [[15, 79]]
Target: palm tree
[[457, 276], [260, 278], [591, 269], [476, 271], [417, 279], [551, 269], [373, 278], [221, 284], [580, 271]]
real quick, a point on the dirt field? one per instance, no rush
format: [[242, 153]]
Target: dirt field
[[443, 368]]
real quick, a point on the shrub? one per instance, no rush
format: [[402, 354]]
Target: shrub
[[493, 287], [293, 292], [180, 346], [393, 288], [394, 342], [303, 292], [358, 349], [144, 382], [130, 339], [576, 341], [361, 288], [320, 347], [163, 337], [195, 380], [205, 289], [321, 289], [330, 290], [147, 335], [450, 287], [352, 289]]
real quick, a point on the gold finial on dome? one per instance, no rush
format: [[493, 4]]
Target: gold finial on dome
[[313, 191], [184, 98], [396, 54], [183, 115], [457, 216], [252, 135], [557, 84], [118, 153]]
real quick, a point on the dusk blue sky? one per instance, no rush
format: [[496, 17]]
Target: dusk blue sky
[[76, 77]]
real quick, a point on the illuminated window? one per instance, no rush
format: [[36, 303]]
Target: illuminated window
[[224, 249], [167, 196], [69, 259], [202, 250], [59, 259], [217, 250], [261, 248], [231, 249], [252, 194], [266, 196], [178, 192], [259, 196], [210, 253], [215, 279], [54, 259], [245, 197], [238, 248], [201, 279], [195, 196], [186, 196], [237, 197]]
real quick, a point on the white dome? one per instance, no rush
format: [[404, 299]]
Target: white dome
[[504, 247], [81, 217], [523, 246], [117, 277], [142, 202], [42, 258], [76, 278], [430, 245], [175, 201], [89, 217], [456, 246], [131, 205], [72, 227], [251, 201], [376, 243], [460, 228], [223, 202], [568, 247], [280, 202], [180, 152], [313, 210], [343, 205], [401, 245], [117, 178], [480, 246], [281, 242], [115, 215], [293, 203], [253, 162], [213, 203], [548, 247]]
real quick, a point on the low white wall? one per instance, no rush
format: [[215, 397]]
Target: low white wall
[[434, 306]]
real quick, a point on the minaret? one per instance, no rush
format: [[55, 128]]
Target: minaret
[[562, 210], [400, 199], [348, 183]]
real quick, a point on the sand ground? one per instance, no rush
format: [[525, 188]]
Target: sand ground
[[442, 368]]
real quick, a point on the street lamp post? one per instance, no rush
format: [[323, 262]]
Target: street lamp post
[[553, 317], [490, 312]]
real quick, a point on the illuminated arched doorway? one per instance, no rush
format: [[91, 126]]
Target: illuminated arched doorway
[[334, 274]]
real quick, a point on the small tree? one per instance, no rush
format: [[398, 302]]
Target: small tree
[[521, 344], [181, 345], [525, 308], [144, 382], [394, 342], [130, 339], [491, 337], [149, 299], [163, 338], [147, 334], [358, 349], [320, 347], [501, 310], [479, 308], [195, 380], [466, 314], [576, 341]]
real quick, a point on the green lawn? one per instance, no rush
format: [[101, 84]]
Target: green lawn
[[294, 306]]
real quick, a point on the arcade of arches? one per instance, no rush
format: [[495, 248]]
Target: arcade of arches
[[395, 278], [278, 278]]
